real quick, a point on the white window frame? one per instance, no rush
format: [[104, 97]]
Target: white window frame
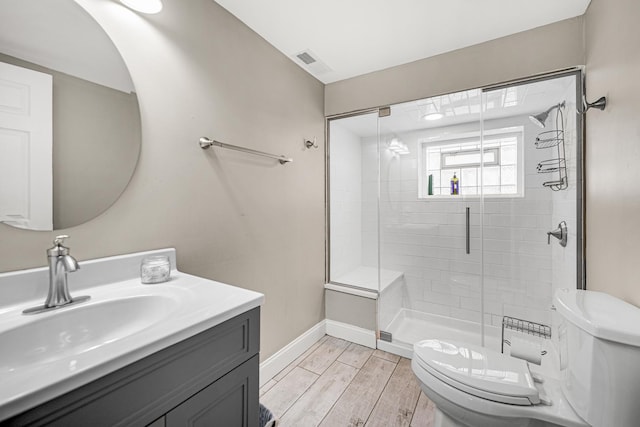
[[488, 135], [445, 155]]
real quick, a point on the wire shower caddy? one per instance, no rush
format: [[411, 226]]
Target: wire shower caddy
[[556, 165]]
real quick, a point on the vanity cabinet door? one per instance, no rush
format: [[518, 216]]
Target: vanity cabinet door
[[160, 422], [232, 401]]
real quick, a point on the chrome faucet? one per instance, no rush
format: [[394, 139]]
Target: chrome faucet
[[60, 262]]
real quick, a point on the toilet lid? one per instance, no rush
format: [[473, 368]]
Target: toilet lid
[[478, 371]]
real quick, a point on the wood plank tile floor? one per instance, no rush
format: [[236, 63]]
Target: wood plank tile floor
[[337, 383]]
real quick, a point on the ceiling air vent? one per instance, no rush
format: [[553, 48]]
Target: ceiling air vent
[[306, 58], [311, 62]]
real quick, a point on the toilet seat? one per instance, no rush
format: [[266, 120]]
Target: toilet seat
[[478, 371]]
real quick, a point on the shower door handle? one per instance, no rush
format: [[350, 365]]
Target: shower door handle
[[468, 230]]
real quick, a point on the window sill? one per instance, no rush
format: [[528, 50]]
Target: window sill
[[447, 197]]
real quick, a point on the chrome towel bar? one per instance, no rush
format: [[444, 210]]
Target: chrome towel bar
[[205, 143]]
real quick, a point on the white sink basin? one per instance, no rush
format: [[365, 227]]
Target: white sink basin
[[79, 328], [45, 355]]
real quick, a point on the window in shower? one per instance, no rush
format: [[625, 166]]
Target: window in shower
[[464, 155]]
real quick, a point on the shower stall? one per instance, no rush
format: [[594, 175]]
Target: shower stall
[[453, 214]]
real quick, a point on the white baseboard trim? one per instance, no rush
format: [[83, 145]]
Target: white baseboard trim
[[283, 357], [351, 333], [396, 349]]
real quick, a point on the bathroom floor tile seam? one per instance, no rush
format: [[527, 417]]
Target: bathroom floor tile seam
[[339, 383]]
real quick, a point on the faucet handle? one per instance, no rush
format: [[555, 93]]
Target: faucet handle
[[58, 249], [559, 233], [59, 240]]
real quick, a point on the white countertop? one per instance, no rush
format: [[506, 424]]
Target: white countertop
[[187, 306]]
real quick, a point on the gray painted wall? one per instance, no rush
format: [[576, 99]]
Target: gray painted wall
[[552, 47], [613, 148], [351, 309], [238, 219]]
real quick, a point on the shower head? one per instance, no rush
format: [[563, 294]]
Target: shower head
[[540, 119]]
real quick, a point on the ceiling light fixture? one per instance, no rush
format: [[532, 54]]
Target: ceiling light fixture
[[432, 113], [433, 116], [144, 6]]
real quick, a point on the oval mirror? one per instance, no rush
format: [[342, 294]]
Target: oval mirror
[[69, 116]]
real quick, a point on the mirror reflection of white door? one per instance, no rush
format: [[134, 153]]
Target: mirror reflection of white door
[[26, 176]]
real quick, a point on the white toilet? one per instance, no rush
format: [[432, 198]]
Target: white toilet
[[598, 383]]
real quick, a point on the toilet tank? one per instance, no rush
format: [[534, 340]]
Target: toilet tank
[[599, 338]]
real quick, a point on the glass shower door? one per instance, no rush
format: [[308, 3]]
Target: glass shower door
[[534, 188], [430, 231]]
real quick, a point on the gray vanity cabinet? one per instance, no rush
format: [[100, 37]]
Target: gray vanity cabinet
[[224, 403], [210, 379]]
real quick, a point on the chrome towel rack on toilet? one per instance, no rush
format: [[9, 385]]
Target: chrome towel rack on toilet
[[206, 143]]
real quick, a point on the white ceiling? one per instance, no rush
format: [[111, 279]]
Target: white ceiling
[[354, 37]]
